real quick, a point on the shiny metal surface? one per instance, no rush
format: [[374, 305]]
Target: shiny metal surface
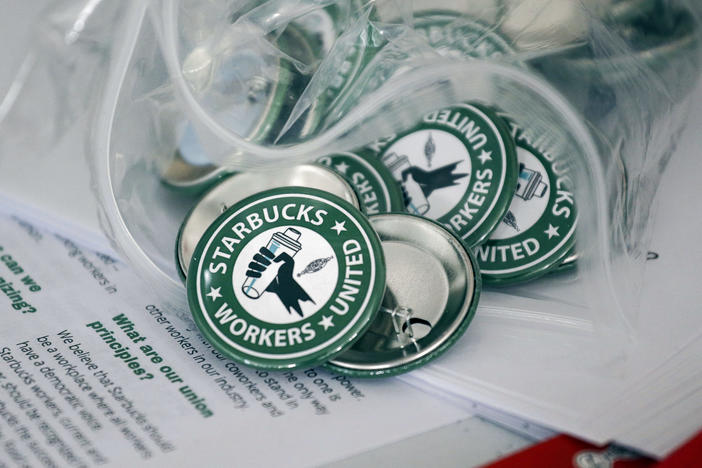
[[626, 10], [570, 259], [182, 175], [431, 295], [245, 184], [569, 263]]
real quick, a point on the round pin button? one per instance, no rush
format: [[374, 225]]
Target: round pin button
[[189, 170], [458, 166], [454, 35], [433, 286], [538, 231], [351, 54], [245, 93], [286, 278], [239, 186], [376, 188]]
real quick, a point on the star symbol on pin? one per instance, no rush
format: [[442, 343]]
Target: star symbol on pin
[[485, 156], [339, 227], [214, 293], [326, 322], [552, 231], [342, 167]]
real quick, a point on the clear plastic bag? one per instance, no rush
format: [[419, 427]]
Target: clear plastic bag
[[601, 85]]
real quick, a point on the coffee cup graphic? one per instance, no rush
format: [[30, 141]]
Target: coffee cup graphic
[[281, 242], [417, 202], [530, 184]]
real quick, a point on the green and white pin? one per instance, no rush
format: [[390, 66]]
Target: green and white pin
[[432, 293], [376, 188], [288, 277], [453, 35], [189, 170], [538, 232], [458, 166]]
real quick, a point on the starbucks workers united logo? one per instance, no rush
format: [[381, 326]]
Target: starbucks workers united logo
[[457, 166], [538, 231], [287, 277]]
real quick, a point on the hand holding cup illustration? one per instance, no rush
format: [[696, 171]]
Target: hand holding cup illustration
[[417, 183], [271, 270]]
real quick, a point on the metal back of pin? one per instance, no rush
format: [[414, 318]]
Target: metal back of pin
[[432, 289]]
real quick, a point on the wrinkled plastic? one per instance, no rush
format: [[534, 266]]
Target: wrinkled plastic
[[601, 85]]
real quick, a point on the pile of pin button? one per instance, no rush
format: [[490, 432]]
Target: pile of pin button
[[371, 262]]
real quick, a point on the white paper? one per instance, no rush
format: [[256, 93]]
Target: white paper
[[472, 442], [70, 396], [645, 393], [50, 186]]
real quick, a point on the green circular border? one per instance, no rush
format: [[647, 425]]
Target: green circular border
[[266, 122], [397, 200], [449, 342], [340, 344], [549, 263], [180, 271], [426, 18], [504, 197], [386, 179]]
